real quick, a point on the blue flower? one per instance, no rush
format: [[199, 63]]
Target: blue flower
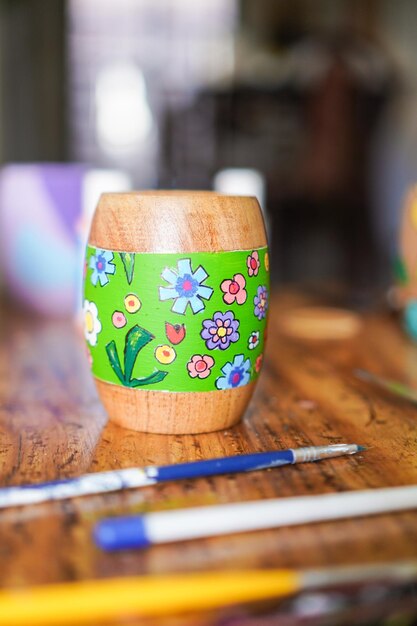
[[186, 287], [101, 264], [410, 318], [236, 374]]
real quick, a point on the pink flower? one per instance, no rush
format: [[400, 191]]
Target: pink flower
[[200, 365], [253, 263], [234, 290], [119, 319]]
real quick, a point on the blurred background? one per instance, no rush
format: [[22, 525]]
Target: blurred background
[[308, 104]]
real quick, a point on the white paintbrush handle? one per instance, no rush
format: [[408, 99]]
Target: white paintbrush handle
[[208, 521]]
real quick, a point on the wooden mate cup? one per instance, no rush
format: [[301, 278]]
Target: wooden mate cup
[[175, 305]]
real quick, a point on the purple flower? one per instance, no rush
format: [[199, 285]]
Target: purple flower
[[261, 302], [220, 331]]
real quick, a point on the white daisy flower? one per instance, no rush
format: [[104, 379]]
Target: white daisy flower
[[92, 325], [253, 340]]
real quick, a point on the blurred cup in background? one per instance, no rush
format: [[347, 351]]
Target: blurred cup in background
[[45, 215]]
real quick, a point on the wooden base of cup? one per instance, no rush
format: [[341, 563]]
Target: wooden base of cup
[[178, 413]]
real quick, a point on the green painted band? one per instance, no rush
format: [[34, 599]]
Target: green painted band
[[176, 322]]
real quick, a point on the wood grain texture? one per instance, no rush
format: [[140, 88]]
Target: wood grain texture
[[52, 425], [168, 413], [176, 221]]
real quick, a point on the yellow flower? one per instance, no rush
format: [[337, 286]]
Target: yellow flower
[[165, 354], [132, 303], [266, 261]]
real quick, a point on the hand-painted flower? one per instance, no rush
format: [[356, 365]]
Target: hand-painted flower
[[132, 303], [102, 266], [253, 263], [261, 302], [186, 287], [92, 325], [118, 319], [258, 363], [236, 374], [220, 331], [253, 340], [234, 289], [200, 365], [165, 354], [266, 261]]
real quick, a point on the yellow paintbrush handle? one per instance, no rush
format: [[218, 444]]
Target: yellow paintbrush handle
[[92, 601]]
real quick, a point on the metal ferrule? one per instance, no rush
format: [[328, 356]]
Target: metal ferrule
[[316, 453]]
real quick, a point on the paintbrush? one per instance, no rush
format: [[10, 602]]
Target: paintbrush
[[90, 602]]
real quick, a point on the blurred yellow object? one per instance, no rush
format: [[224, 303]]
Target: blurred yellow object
[[413, 213], [99, 601], [102, 600]]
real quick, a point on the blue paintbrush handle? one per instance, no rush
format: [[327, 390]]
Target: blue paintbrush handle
[[232, 464]]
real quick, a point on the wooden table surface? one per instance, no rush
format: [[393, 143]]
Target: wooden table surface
[[52, 425]]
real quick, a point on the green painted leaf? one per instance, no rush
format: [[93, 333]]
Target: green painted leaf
[[136, 339], [156, 377], [128, 259], [112, 353]]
